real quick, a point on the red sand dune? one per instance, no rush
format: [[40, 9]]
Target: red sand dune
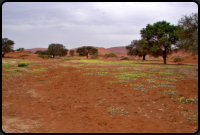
[[118, 50], [33, 50]]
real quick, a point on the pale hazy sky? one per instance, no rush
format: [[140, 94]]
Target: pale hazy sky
[[75, 24]]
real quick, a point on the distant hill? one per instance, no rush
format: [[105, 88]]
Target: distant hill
[[33, 50], [118, 50]]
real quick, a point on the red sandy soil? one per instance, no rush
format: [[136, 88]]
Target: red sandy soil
[[71, 104]]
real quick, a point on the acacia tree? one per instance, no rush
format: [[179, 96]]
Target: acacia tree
[[81, 51], [7, 45], [72, 53], [57, 49], [133, 49], [188, 33], [160, 37], [84, 51], [138, 48]]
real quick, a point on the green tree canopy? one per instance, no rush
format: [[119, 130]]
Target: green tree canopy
[[160, 37], [20, 49], [72, 53], [138, 48], [84, 51], [57, 49], [7, 45], [188, 33], [40, 52], [81, 51]]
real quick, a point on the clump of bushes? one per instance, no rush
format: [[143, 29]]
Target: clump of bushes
[[111, 54], [46, 52], [22, 65], [94, 56], [178, 59], [45, 56], [23, 55], [124, 58], [20, 49]]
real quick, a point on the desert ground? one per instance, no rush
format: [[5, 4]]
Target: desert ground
[[103, 95]]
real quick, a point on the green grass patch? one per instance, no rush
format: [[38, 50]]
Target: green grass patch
[[107, 62], [78, 71], [48, 82], [116, 82], [14, 60], [35, 76], [181, 77], [170, 93], [121, 112], [185, 100], [191, 118], [13, 70], [40, 79], [7, 65], [131, 76], [76, 66], [165, 73], [88, 74], [37, 70], [57, 77], [102, 73], [5, 75]]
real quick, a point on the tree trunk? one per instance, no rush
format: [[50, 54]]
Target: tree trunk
[[144, 57], [87, 55], [3, 54], [164, 56], [165, 60]]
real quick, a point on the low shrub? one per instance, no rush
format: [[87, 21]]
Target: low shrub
[[94, 56], [22, 65], [124, 58], [178, 59], [111, 54], [23, 55]]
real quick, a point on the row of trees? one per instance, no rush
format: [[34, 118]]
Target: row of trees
[[53, 49], [59, 50], [161, 38]]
